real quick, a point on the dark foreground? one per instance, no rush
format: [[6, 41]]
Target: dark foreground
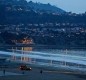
[[35, 74]]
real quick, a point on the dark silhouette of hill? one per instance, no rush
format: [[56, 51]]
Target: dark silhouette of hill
[[35, 6], [45, 7], [21, 11]]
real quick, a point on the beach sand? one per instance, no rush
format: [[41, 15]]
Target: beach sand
[[34, 74]]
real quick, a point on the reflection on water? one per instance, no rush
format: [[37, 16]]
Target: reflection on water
[[70, 59], [27, 48], [22, 48], [21, 51]]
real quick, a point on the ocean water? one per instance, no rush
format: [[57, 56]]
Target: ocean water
[[68, 59]]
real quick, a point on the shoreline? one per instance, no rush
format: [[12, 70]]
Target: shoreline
[[48, 73], [46, 47], [15, 64]]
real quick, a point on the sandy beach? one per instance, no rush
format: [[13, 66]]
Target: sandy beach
[[12, 72]]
